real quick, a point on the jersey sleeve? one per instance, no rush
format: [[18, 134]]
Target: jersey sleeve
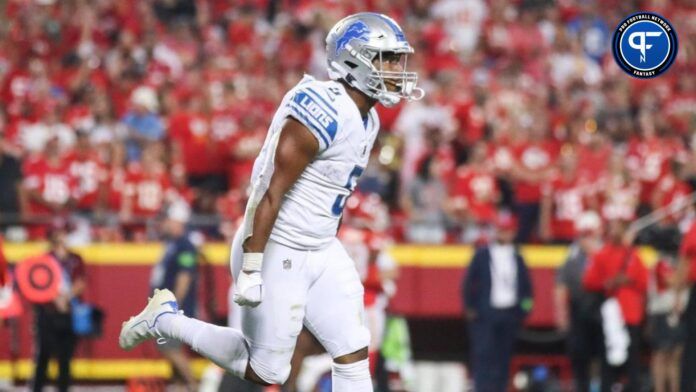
[[313, 107]]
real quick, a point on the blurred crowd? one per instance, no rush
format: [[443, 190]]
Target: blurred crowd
[[110, 110], [113, 111]]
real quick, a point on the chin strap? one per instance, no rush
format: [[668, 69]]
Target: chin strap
[[386, 98], [416, 97]]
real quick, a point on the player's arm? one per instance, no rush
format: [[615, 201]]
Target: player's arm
[[182, 284], [561, 295], [681, 274], [657, 196], [686, 251], [34, 195], [127, 202], [545, 213], [296, 149], [186, 262]]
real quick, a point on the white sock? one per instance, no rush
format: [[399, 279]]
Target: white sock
[[225, 346], [352, 377]]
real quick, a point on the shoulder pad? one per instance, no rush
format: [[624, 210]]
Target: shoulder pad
[[314, 107]]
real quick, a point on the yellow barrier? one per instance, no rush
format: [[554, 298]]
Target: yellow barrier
[[147, 254], [102, 369], [445, 256]]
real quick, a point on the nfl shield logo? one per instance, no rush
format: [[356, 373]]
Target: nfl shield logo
[[287, 264]]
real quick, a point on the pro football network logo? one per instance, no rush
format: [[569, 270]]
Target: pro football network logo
[[645, 45]]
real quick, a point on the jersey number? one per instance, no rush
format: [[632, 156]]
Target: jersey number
[[340, 202]]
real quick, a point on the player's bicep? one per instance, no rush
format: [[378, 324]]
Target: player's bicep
[[296, 149]]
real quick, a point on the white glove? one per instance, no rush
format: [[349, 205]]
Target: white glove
[[248, 287]]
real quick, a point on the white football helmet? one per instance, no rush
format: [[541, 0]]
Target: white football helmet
[[352, 47]]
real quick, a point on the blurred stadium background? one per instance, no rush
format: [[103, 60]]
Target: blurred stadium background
[[112, 109]]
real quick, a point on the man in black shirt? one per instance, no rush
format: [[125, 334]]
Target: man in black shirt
[[10, 177], [577, 311], [177, 271], [53, 323]]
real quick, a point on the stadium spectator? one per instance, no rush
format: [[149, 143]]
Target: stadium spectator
[[129, 74], [116, 161], [424, 204], [617, 271], [418, 123], [10, 178], [90, 173], [671, 190], [142, 122], [666, 330], [591, 30], [687, 278], [474, 195], [648, 156], [106, 129], [534, 157], [690, 165], [53, 321], [564, 199], [569, 64], [147, 188], [242, 147], [577, 310], [177, 271], [497, 292], [618, 194], [593, 150], [462, 22], [192, 138], [49, 189], [35, 135]]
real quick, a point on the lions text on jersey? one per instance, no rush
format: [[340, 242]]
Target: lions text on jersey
[[311, 209]]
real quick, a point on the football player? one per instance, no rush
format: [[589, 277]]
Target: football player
[[290, 269]]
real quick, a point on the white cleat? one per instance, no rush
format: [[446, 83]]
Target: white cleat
[[144, 326]]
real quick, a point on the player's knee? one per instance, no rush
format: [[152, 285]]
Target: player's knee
[[251, 376], [353, 357], [357, 370], [355, 344], [266, 374]]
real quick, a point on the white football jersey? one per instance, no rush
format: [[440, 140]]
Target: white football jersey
[[312, 208]]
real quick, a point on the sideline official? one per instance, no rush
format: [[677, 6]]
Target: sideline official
[[498, 296]]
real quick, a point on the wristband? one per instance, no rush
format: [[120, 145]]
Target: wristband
[[252, 261]]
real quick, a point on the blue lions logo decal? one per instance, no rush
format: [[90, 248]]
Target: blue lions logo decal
[[358, 30]]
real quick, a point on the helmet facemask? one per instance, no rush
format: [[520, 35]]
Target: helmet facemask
[[390, 87]]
